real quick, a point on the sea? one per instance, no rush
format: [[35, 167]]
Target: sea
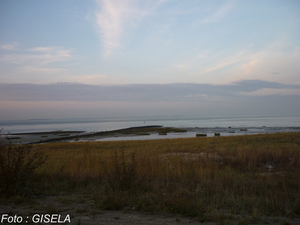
[[260, 124]]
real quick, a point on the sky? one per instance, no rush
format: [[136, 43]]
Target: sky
[[98, 58]]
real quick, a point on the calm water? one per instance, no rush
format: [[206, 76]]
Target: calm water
[[284, 123]]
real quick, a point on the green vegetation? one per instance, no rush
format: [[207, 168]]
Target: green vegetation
[[63, 135], [213, 179], [12, 138], [160, 130]]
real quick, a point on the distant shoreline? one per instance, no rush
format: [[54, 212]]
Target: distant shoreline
[[36, 137], [139, 133], [93, 132], [44, 132]]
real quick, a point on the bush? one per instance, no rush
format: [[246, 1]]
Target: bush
[[17, 165]]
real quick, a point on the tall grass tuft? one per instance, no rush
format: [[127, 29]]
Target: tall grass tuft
[[123, 176], [17, 166]]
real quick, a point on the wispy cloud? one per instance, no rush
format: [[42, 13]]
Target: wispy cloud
[[113, 16], [43, 49], [226, 62], [35, 64], [271, 63], [38, 56], [220, 12], [11, 46], [38, 70]]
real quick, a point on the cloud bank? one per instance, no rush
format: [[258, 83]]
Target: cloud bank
[[142, 92]]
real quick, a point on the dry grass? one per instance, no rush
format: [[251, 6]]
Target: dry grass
[[256, 175]]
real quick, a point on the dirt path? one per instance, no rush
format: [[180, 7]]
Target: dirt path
[[33, 215], [117, 217], [81, 210]]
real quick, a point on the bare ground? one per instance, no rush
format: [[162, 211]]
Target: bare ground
[[82, 210]]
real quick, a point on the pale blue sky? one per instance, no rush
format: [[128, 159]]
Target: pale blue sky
[[115, 42]]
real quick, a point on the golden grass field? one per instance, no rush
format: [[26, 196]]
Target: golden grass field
[[203, 177], [254, 174]]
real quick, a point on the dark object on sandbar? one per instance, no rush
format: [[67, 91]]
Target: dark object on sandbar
[[232, 131], [243, 129], [162, 133], [217, 134], [142, 133], [201, 135]]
